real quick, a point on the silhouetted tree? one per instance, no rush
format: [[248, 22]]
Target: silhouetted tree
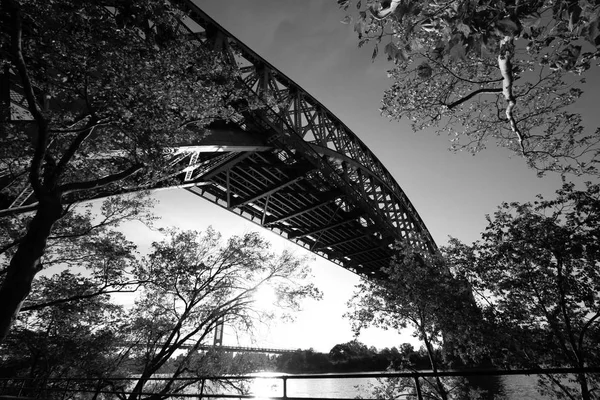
[[535, 273]]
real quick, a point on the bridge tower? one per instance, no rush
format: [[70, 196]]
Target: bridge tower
[[218, 340]]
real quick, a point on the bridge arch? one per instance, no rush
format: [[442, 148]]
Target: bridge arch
[[292, 166]]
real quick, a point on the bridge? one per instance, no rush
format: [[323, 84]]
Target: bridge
[[292, 167]]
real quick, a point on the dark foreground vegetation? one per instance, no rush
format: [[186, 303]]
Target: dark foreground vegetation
[[107, 86]]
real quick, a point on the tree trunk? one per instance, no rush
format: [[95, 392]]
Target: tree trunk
[[440, 386], [26, 262], [136, 393], [583, 384]]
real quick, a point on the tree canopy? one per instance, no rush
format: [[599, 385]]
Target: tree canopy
[[535, 275], [188, 284], [107, 87], [506, 71]]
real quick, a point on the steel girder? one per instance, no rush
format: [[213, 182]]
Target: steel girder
[[290, 166], [333, 196]]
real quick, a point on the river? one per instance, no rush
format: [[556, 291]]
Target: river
[[506, 388]]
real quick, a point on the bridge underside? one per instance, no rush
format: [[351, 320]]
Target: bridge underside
[[291, 166], [283, 191]]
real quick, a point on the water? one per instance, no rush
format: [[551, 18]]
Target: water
[[507, 387]]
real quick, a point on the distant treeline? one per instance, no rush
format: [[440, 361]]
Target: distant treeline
[[353, 356]]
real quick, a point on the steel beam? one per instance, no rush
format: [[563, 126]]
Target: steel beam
[[355, 265], [341, 242], [374, 248], [223, 167], [267, 192], [352, 218], [328, 198]]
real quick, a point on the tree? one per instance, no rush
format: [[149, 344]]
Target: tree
[[535, 272], [68, 327], [85, 241], [75, 339], [421, 292], [349, 350], [507, 71], [194, 282], [108, 86]]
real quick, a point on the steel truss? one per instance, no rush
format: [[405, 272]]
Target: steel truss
[[290, 166]]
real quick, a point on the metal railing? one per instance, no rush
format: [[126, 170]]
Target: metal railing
[[207, 386]]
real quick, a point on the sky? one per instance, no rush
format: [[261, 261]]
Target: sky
[[451, 191]]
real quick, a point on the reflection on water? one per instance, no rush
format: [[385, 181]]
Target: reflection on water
[[264, 387]]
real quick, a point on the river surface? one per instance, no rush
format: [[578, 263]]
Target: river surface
[[505, 388]]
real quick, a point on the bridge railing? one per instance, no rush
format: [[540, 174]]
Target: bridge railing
[[208, 387]]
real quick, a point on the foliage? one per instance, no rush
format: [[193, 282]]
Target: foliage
[[535, 273], [75, 339], [480, 70], [107, 88], [188, 284], [194, 281], [354, 356], [423, 293], [87, 242]]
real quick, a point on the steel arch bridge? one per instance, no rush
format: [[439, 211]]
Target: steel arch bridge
[[293, 167]]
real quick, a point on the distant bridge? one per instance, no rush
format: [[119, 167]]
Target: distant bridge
[[295, 168], [226, 349], [242, 349]]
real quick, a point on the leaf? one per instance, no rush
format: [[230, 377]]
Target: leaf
[[567, 58], [590, 32], [416, 44], [343, 4], [359, 25], [458, 52], [391, 50], [375, 51], [508, 27], [574, 14], [461, 27], [358, 4], [347, 19]]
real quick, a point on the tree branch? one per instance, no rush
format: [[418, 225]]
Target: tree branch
[[505, 65], [8, 246], [98, 183], [82, 296], [19, 60], [19, 210], [585, 328], [471, 95], [75, 145], [384, 12]]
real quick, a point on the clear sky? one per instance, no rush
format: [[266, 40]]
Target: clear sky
[[452, 192]]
